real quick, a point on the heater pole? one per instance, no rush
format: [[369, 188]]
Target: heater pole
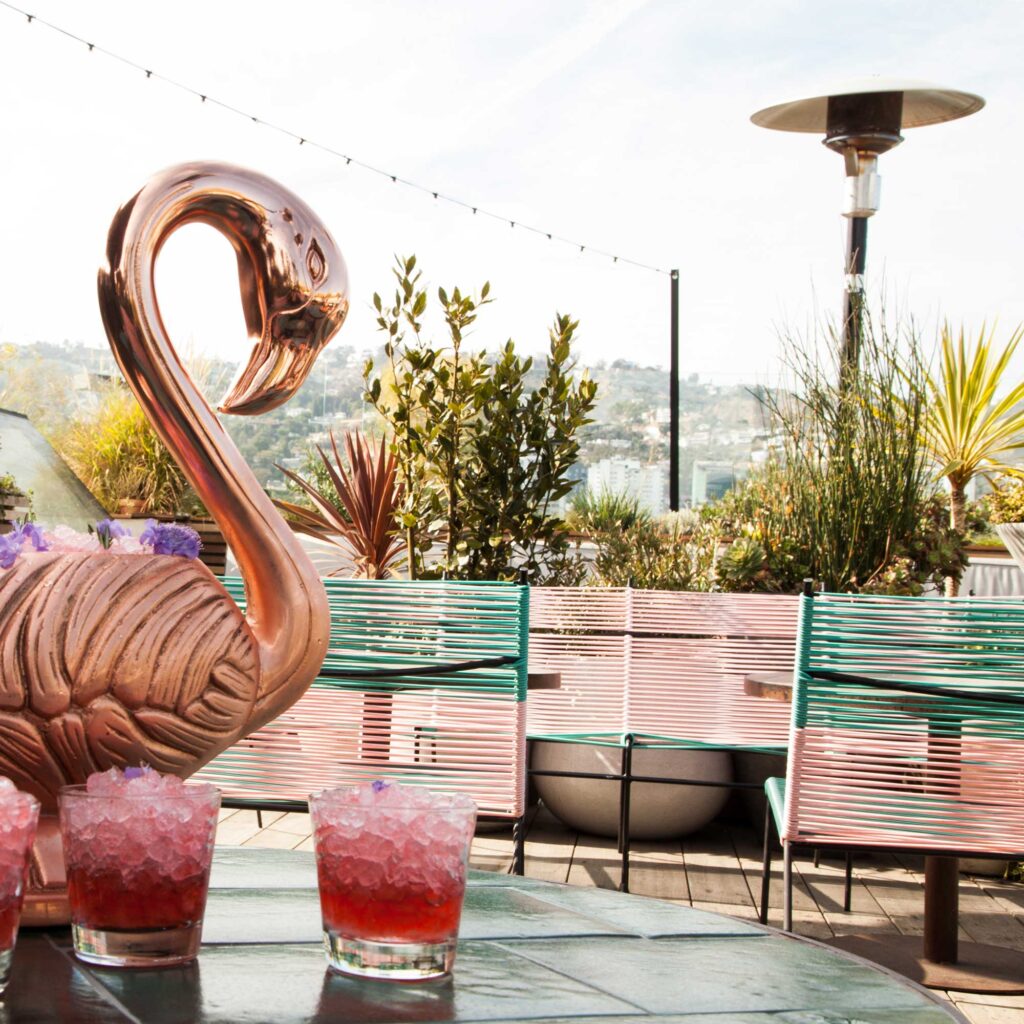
[[673, 396], [853, 295]]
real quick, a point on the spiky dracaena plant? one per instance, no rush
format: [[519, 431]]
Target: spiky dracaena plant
[[968, 431], [363, 517]]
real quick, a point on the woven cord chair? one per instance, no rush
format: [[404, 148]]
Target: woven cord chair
[[657, 669], [907, 734], [424, 683]]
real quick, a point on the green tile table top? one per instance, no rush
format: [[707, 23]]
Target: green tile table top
[[528, 951]]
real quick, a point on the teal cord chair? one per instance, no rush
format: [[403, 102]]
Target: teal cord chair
[[424, 683], [907, 731]]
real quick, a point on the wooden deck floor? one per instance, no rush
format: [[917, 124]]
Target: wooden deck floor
[[719, 869]]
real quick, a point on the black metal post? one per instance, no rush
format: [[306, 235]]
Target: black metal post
[[624, 814], [853, 296], [673, 398]]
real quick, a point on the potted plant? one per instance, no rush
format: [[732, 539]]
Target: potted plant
[[354, 507], [969, 428], [118, 455]]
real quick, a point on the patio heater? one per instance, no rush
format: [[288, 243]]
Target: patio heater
[[861, 120]]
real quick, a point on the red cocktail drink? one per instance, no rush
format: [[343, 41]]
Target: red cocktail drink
[[138, 848], [19, 815], [391, 863]]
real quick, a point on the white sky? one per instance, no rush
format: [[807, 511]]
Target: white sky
[[622, 123]]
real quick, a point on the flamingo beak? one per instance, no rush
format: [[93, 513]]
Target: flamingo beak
[[283, 356]]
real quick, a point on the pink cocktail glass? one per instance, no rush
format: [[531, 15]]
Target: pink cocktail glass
[[19, 815], [138, 853], [391, 866]]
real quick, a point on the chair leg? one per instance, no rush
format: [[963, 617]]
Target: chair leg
[[817, 857], [787, 883], [519, 846], [766, 864], [259, 817], [624, 794], [848, 886]]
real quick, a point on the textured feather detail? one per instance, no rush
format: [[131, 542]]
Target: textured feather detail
[[116, 659]]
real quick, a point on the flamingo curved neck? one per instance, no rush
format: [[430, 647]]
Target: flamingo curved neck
[[287, 607]]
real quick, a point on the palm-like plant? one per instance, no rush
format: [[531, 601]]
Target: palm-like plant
[[363, 517], [969, 432]]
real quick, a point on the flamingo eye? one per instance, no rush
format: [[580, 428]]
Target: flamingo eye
[[315, 262]]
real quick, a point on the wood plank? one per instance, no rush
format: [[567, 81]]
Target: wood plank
[[749, 850], [491, 853], [241, 826], [272, 840], [991, 999], [549, 847], [657, 869], [297, 822], [596, 862], [713, 868], [978, 1013]]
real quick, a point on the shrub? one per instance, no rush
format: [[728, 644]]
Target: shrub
[[846, 495], [481, 454], [595, 513], [117, 454], [1006, 503]]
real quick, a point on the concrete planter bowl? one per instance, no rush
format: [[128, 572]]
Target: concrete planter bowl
[[656, 811]]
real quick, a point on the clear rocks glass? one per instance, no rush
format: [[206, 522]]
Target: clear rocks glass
[[138, 854], [19, 815], [391, 866]]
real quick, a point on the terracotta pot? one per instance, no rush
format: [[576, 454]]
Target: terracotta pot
[[131, 507]]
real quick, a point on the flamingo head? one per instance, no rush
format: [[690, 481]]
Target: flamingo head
[[295, 298]]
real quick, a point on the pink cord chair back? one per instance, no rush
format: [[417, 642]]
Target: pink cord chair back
[[937, 765], [424, 683], [667, 666]]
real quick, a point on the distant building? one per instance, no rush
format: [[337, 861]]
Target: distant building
[[711, 480], [648, 483]]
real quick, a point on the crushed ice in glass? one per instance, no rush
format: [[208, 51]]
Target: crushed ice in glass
[[389, 837], [141, 822], [18, 814]]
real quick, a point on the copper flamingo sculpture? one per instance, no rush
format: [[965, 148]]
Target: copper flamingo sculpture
[[110, 659]]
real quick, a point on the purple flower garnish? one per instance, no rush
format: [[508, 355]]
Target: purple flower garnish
[[377, 785], [12, 543], [8, 551], [171, 539], [136, 773], [108, 529], [31, 533]]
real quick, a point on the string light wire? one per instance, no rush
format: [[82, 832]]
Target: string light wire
[[303, 140]]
